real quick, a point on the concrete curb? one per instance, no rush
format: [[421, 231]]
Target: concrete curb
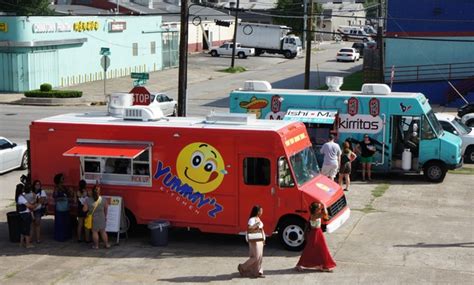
[[52, 101]]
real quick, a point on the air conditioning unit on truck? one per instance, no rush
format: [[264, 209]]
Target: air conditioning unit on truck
[[271, 39], [203, 173]]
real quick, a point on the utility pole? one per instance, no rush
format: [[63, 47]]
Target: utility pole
[[183, 59], [305, 13], [234, 41], [309, 37], [380, 44]]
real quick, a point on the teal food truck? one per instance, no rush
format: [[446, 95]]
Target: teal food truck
[[407, 135]]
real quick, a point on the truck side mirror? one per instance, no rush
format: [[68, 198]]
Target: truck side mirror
[[455, 132]]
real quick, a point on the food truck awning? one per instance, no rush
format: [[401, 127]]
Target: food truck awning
[[115, 150], [311, 116]]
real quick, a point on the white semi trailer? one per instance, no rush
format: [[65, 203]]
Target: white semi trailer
[[265, 38]]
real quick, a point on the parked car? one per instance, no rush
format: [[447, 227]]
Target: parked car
[[347, 54], [360, 47], [12, 155], [452, 124], [168, 105], [226, 49], [466, 114]]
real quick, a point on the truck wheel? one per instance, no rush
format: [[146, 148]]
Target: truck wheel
[[470, 123], [469, 154], [291, 233], [435, 171], [241, 55], [287, 54], [24, 161], [131, 221], [214, 53]]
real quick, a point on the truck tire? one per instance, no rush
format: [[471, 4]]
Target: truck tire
[[24, 161], [435, 171], [214, 53], [131, 221], [469, 154], [241, 54], [291, 233], [470, 123], [288, 54]]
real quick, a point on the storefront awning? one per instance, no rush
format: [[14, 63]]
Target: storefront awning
[[311, 116], [116, 151]]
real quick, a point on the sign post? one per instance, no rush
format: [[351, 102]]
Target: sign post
[[140, 78], [105, 63]]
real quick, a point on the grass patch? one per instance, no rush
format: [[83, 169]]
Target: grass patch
[[11, 274], [368, 208], [235, 69], [380, 190], [463, 170], [352, 82]]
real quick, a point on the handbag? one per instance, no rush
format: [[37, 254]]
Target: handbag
[[256, 235], [88, 219]]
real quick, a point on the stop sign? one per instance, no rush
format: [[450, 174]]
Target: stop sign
[[141, 96]]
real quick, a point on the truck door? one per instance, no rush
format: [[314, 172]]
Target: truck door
[[256, 187]]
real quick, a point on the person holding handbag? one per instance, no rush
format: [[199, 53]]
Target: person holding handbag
[[24, 208], [42, 201], [316, 254], [82, 198], [97, 208], [256, 240]]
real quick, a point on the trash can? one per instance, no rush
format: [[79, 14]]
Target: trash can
[[14, 226], [159, 232]]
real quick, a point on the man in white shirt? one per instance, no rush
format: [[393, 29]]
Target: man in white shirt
[[332, 158]]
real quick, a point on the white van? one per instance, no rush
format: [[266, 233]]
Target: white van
[[350, 33]]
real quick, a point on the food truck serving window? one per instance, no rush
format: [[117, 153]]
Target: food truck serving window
[[114, 164]]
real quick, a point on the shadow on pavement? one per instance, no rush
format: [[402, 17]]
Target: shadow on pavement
[[181, 244], [437, 245]]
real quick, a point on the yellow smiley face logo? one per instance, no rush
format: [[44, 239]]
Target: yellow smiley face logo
[[201, 166]]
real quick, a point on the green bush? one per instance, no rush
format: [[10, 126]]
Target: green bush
[[45, 87], [54, 94]]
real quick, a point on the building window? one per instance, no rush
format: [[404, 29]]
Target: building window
[[135, 49], [256, 171], [153, 47]]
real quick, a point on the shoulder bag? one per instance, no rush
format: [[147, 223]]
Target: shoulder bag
[[88, 219]]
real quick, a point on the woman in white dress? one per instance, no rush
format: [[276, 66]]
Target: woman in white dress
[[253, 266]]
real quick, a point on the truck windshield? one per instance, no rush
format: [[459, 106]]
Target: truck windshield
[[438, 129], [298, 42], [305, 165]]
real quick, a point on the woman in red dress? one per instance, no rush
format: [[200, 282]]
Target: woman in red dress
[[316, 254]]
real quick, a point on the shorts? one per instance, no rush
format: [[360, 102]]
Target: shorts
[[368, 159], [329, 170], [38, 213], [26, 220], [346, 168]]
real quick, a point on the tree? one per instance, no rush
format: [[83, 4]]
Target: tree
[[28, 7], [287, 8]]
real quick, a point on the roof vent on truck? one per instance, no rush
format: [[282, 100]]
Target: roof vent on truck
[[232, 118], [334, 83], [257, 85], [143, 113], [375, 89]]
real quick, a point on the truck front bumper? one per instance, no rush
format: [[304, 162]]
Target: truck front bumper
[[339, 221], [455, 166]]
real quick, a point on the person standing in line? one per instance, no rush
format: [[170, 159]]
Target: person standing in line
[[316, 254], [346, 165], [367, 150], [24, 208], [40, 210], [332, 158], [97, 207], [253, 266], [82, 199]]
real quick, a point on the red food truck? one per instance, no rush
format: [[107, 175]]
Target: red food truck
[[204, 173]]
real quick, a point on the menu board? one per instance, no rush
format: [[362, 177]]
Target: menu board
[[114, 213]]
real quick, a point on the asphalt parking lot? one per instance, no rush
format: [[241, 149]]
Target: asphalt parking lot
[[402, 230]]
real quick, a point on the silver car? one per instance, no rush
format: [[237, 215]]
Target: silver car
[[12, 156]]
